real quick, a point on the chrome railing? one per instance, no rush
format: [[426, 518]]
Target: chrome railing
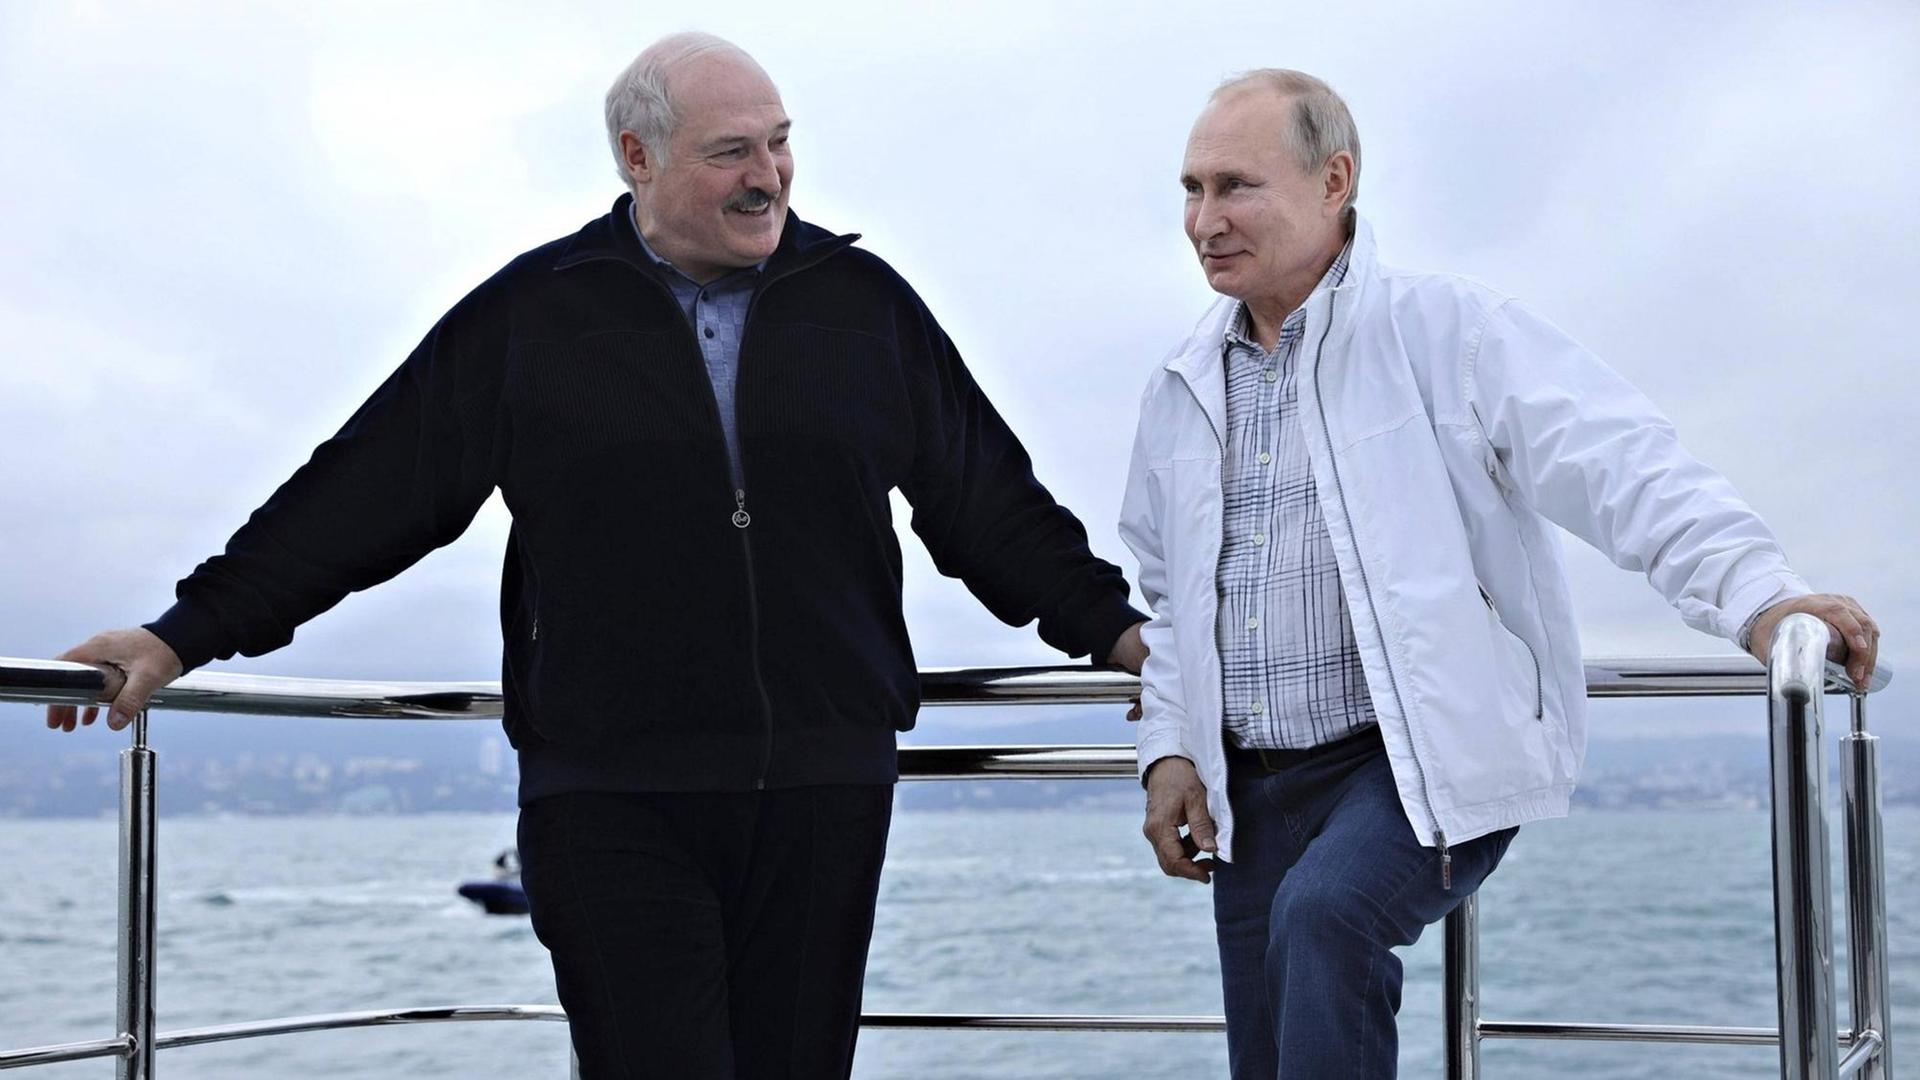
[[1806, 999], [1808, 1035]]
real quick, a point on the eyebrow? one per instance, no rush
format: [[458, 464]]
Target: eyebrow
[[726, 142], [1217, 176]]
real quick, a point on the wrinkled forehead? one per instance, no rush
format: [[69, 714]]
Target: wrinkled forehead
[[1238, 128]]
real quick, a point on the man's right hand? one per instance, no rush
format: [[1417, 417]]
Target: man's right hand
[[135, 662], [1176, 797]]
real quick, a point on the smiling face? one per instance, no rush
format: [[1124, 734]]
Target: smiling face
[[1264, 228], [718, 199]]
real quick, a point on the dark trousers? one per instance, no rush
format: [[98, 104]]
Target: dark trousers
[[1327, 880], [708, 936]]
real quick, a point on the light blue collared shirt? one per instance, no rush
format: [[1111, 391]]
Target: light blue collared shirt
[[717, 312]]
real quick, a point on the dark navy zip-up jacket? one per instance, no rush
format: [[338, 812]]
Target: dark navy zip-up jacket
[[664, 629]]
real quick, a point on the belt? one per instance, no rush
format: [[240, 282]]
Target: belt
[[1263, 760]]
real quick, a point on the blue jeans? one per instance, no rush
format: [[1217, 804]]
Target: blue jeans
[[1327, 880]]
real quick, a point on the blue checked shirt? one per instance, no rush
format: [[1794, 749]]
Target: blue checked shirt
[[1290, 669], [717, 311]]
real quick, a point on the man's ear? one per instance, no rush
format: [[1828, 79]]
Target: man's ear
[[640, 162], [1337, 177]]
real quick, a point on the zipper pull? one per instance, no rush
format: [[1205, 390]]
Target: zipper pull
[[536, 628], [1446, 860], [741, 519]]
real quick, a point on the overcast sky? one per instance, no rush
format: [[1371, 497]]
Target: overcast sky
[[224, 224]]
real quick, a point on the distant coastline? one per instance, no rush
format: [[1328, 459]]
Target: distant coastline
[[76, 780]]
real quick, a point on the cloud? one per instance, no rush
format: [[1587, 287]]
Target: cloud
[[229, 223]]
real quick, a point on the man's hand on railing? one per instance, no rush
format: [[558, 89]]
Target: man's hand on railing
[[1176, 797], [135, 662], [1130, 652], [1856, 637]]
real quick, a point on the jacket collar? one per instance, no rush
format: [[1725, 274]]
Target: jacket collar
[[1198, 360], [613, 237]]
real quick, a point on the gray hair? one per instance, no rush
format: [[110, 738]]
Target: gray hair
[[639, 100], [1322, 126]]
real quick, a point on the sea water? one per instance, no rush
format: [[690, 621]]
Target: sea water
[[1649, 917]]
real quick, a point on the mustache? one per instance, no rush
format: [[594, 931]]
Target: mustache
[[752, 200]]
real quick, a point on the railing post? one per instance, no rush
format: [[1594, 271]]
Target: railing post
[[1866, 889], [137, 891], [1803, 916], [1460, 976]]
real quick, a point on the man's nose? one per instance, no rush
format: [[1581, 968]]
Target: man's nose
[[1208, 220], [762, 173]]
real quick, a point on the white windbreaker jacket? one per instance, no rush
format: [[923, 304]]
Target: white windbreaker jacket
[[1447, 426]]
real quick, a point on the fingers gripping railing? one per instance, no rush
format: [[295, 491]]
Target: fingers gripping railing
[[1868, 1055], [1808, 1035]]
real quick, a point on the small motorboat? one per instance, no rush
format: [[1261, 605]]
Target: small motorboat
[[502, 895]]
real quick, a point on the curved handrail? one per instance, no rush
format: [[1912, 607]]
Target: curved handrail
[[295, 1025], [1799, 659], [119, 1046], [442, 1014], [56, 682], [1802, 905], [1080, 762]]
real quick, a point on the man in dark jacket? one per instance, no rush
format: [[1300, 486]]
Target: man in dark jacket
[[696, 408]]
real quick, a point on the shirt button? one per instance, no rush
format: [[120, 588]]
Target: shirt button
[[1253, 623], [1257, 708], [709, 331], [1272, 375], [1259, 539], [1265, 458]]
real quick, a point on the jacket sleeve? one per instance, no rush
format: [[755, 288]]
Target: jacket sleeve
[[986, 519], [1595, 456], [405, 475], [1163, 709]]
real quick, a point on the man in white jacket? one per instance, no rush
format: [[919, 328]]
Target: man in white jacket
[[1364, 672]]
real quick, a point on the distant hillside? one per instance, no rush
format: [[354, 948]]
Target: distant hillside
[[215, 764]]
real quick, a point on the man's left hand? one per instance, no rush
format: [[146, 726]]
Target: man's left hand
[[1130, 651], [1856, 637]]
